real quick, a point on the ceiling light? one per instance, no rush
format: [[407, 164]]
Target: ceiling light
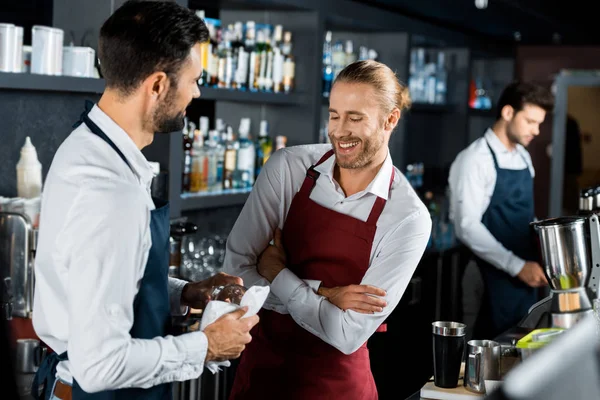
[[481, 4]]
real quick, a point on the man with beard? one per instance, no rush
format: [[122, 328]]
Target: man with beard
[[491, 205], [103, 297], [348, 232]]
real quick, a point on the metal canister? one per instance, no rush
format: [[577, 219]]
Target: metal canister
[[78, 61], [47, 49], [18, 50], [7, 43]]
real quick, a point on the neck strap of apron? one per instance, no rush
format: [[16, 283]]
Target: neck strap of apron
[[85, 118], [496, 160]]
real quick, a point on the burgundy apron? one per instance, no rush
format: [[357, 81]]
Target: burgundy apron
[[285, 361]]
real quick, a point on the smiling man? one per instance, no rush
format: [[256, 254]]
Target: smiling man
[[348, 234], [491, 204]]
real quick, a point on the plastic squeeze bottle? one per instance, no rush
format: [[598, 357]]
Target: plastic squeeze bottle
[[29, 172]]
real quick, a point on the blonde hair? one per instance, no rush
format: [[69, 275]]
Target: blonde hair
[[391, 93]]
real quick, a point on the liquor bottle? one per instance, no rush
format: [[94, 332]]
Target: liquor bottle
[[289, 74], [327, 65], [246, 158], [230, 164], [188, 141], [264, 147]]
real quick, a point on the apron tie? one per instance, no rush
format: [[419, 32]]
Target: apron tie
[[46, 370]]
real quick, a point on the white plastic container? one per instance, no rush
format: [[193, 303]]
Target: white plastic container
[[18, 50], [47, 50], [29, 172], [7, 44], [78, 61]]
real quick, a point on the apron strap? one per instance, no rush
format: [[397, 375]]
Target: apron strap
[[527, 166], [85, 118], [493, 154], [312, 175], [46, 375], [380, 203]]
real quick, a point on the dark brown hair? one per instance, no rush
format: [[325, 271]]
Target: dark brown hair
[[144, 37], [519, 93]]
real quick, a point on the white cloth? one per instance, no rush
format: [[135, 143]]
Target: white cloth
[[402, 234], [94, 240], [472, 181], [254, 298]]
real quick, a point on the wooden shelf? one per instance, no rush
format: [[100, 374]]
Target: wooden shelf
[[291, 99], [201, 201], [49, 83]]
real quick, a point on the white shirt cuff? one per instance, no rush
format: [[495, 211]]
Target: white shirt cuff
[[515, 265], [175, 289], [196, 347], [313, 284], [285, 284]]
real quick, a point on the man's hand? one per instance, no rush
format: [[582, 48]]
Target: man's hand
[[197, 294], [228, 336], [272, 260], [355, 297], [533, 274]]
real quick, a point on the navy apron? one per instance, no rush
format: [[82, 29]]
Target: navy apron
[[151, 306], [507, 299]]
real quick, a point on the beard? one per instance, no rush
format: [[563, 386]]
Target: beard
[[369, 148], [166, 118], [515, 138]]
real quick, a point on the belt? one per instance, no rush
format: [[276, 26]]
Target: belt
[[63, 391]]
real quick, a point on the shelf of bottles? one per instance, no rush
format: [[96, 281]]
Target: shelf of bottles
[[428, 78], [247, 57], [489, 76], [336, 56], [221, 166], [479, 95]]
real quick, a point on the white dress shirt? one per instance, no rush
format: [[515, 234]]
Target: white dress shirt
[[472, 180], [402, 233], [94, 240]]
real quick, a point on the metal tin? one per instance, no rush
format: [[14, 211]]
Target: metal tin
[[449, 328], [78, 61], [7, 43], [18, 50], [16, 261], [565, 251], [47, 50]]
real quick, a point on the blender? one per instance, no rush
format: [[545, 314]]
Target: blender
[[568, 247]]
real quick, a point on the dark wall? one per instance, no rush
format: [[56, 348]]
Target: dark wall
[[46, 117], [541, 64], [26, 13]]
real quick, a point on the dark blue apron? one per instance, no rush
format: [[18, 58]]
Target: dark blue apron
[[507, 299], [151, 305]]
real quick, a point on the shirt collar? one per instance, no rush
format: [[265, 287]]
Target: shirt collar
[[379, 186], [496, 144], [123, 141]]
